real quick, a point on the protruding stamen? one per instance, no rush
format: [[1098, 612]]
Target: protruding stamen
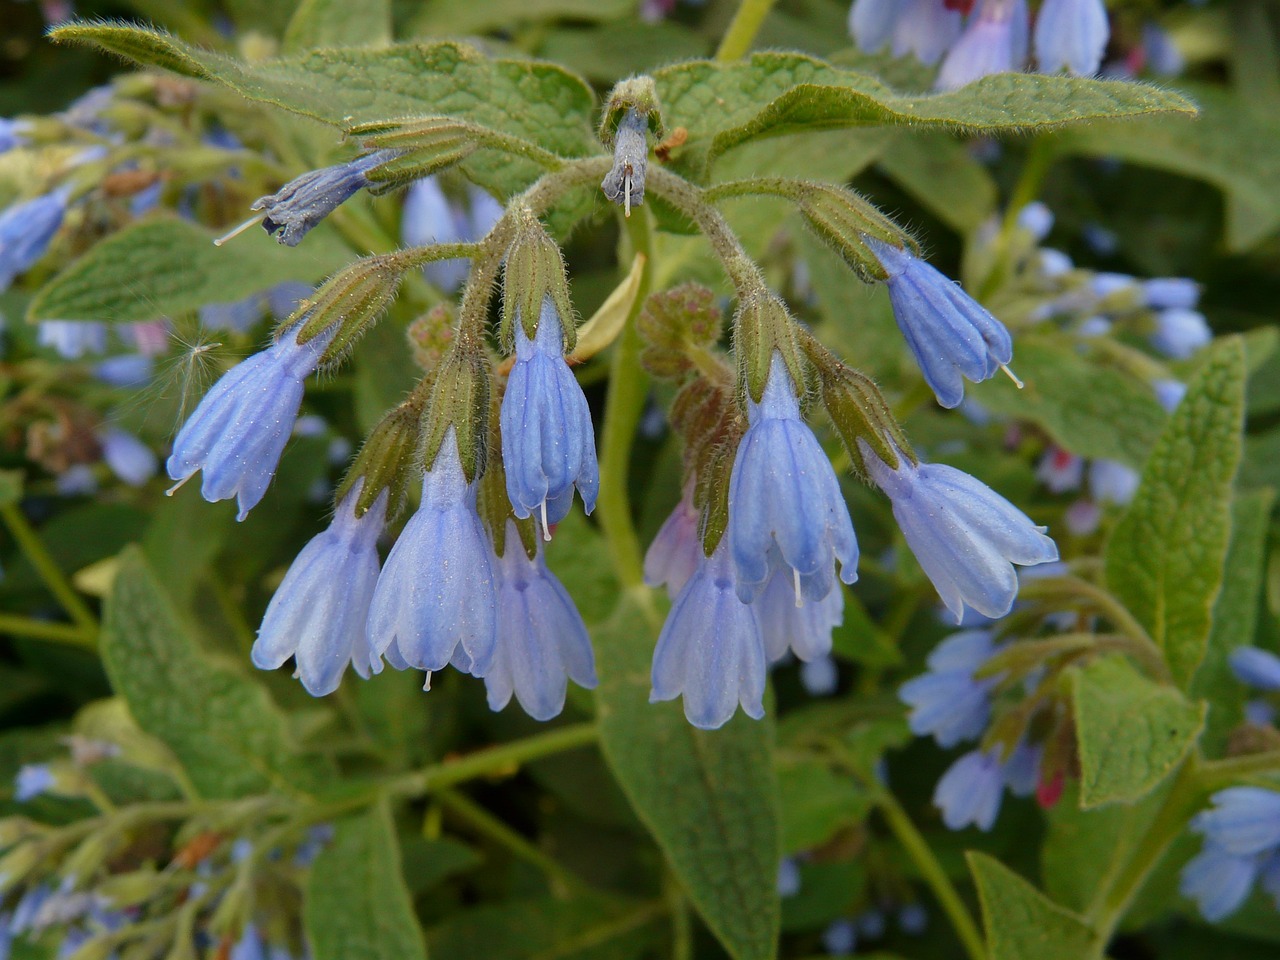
[[626, 194], [546, 529], [427, 686], [1012, 376], [795, 580], [236, 231], [174, 489]]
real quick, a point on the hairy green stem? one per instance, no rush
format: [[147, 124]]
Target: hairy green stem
[[492, 760], [30, 544], [40, 630], [480, 819], [743, 28], [628, 387], [931, 870]]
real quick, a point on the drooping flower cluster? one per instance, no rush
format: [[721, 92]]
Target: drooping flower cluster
[[1069, 34]]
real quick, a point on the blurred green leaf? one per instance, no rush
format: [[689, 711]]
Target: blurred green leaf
[[726, 104], [708, 797], [230, 737], [816, 802], [443, 18], [345, 87], [1021, 922], [1235, 616], [1091, 410], [1165, 556], [611, 51], [1131, 733], [162, 267], [943, 176], [357, 905], [337, 23]]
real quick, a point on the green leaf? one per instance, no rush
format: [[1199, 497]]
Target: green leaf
[[230, 737], [1164, 560], [585, 928], [816, 802], [1091, 410], [611, 51], [347, 87], [1021, 922], [1235, 616], [943, 175], [11, 486], [329, 23], [1232, 146], [768, 94], [357, 906], [462, 17], [163, 267], [708, 797], [1131, 733]]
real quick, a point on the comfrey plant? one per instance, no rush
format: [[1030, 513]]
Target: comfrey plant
[[578, 416]]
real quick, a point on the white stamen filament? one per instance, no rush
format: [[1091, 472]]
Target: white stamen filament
[[427, 686], [1012, 376], [174, 489], [795, 579], [546, 530], [626, 194], [236, 231]]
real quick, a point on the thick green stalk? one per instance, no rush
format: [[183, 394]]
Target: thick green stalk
[[30, 544], [40, 630], [743, 28], [628, 387], [922, 856]]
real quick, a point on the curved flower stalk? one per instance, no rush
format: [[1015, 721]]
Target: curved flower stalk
[[541, 640], [786, 511], [965, 535], [318, 613], [437, 594], [548, 444], [710, 650], [240, 428], [953, 337]]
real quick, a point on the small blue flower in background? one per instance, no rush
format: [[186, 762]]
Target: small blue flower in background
[[786, 511], [1258, 668], [1022, 768], [871, 924], [913, 919], [1163, 293], [1060, 470], [952, 336], [804, 629], [1241, 844], [994, 41], [548, 443], [429, 217], [840, 938], [1169, 393], [1162, 54], [128, 457], [1113, 482], [965, 535], [295, 209], [871, 22], [1071, 34], [788, 884], [923, 27], [319, 611], [250, 946], [710, 649], [971, 789], [542, 642], [437, 593], [33, 779], [820, 677], [76, 481], [12, 134], [1180, 332], [26, 230], [240, 428], [676, 550], [1037, 219], [125, 370], [949, 702], [72, 339]]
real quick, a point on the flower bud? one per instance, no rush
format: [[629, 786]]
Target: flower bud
[[532, 272], [124, 890], [460, 396], [349, 301], [675, 323], [843, 220], [431, 335], [386, 461]]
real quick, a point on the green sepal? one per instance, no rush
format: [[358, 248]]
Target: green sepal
[[460, 395], [352, 299], [843, 220], [711, 495], [763, 326], [859, 412], [387, 460], [414, 165], [533, 271], [634, 93]]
